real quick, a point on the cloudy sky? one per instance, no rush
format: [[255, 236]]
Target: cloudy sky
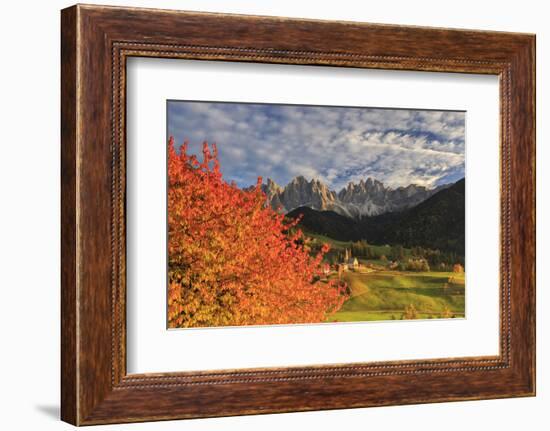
[[334, 144]]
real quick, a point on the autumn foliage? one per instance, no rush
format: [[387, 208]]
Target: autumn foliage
[[458, 268], [232, 259]]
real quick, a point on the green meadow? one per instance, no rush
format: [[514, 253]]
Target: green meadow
[[380, 293], [337, 245], [385, 295]]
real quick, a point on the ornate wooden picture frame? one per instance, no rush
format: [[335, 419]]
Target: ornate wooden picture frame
[[96, 41]]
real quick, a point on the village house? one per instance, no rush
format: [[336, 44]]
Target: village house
[[353, 263], [349, 262]]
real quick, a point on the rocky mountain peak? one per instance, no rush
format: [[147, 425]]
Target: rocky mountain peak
[[365, 198]]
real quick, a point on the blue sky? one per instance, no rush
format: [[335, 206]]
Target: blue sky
[[334, 144]]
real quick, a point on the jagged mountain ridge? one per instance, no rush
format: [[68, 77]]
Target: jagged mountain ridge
[[356, 200], [437, 223]]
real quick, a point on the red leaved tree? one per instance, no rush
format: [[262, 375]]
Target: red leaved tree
[[233, 260]]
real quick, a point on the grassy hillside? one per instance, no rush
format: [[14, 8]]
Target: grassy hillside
[[378, 293], [384, 295], [339, 245]]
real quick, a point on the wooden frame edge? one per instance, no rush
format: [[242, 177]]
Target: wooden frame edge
[[69, 304]]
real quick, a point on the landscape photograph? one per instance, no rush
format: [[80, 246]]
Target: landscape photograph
[[301, 214]]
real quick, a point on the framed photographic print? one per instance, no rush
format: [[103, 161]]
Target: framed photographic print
[[267, 215], [305, 257]]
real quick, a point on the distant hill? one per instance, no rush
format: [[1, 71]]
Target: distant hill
[[438, 223], [327, 223]]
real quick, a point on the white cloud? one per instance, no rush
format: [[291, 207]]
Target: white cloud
[[338, 145]]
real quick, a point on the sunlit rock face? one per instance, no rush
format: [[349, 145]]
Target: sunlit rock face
[[367, 198]]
